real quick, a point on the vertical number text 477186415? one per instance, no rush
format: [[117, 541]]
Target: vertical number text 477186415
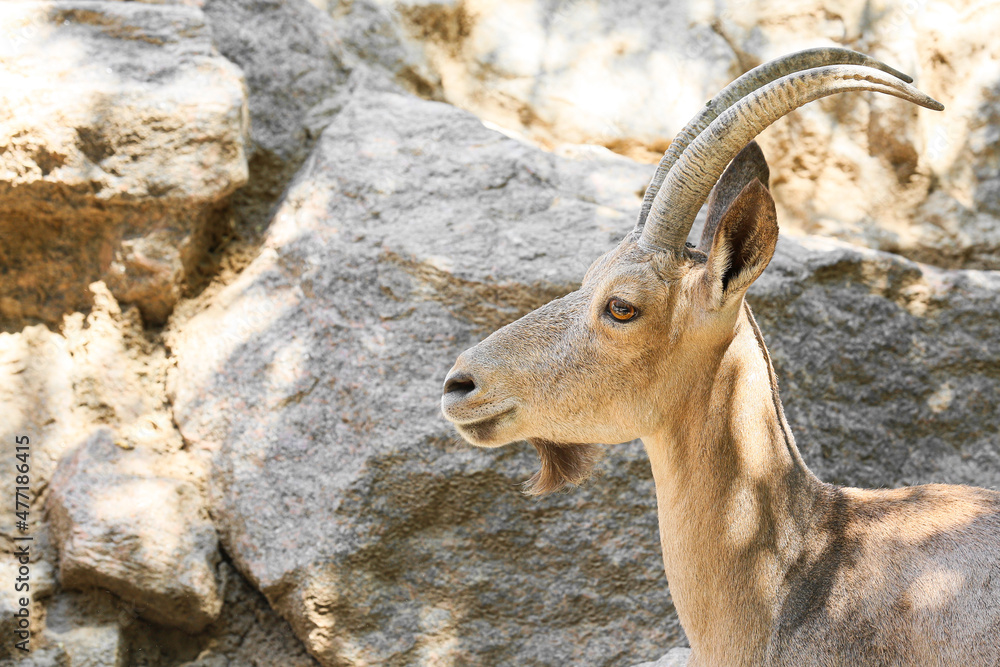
[[22, 540]]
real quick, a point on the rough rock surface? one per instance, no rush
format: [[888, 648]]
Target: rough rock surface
[[58, 387], [10, 606], [628, 74], [90, 645], [340, 491], [122, 132], [291, 56], [55, 387], [95, 628], [40, 581], [888, 369], [120, 524], [412, 232], [560, 72], [247, 632]]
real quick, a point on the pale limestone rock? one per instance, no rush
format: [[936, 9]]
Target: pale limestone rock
[[122, 131], [56, 387]]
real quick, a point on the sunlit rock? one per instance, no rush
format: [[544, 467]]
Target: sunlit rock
[[628, 74], [120, 524], [122, 132]]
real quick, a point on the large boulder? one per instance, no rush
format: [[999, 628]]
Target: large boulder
[[411, 233], [122, 133], [337, 487]]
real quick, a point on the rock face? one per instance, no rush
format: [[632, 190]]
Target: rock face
[[60, 387], [40, 585], [410, 234], [628, 74], [158, 63], [89, 645], [291, 56], [888, 369], [122, 132], [122, 526], [339, 490], [80, 630], [56, 387], [247, 632]]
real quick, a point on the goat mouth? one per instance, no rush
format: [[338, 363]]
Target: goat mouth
[[482, 431], [466, 411]]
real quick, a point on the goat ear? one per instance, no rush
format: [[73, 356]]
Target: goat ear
[[743, 243], [748, 164]]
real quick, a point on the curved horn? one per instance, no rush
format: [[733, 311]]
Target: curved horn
[[695, 172], [740, 88]]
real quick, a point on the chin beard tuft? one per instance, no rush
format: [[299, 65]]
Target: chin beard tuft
[[561, 465]]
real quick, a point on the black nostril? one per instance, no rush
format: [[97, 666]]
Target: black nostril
[[460, 382]]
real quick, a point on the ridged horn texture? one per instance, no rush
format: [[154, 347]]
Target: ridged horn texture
[[740, 88], [692, 176]]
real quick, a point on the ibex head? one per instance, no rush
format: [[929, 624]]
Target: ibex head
[[609, 362]]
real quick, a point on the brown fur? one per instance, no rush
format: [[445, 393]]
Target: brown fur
[[561, 465], [767, 565]]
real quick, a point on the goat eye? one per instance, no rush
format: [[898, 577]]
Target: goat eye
[[622, 311]]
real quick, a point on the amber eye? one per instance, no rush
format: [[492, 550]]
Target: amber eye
[[622, 311]]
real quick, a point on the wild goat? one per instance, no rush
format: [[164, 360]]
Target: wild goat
[[767, 564]]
